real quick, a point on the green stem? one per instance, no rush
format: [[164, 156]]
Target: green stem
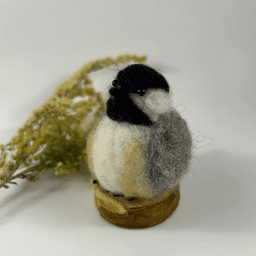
[[25, 172]]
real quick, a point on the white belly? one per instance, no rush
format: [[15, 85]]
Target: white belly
[[112, 140]]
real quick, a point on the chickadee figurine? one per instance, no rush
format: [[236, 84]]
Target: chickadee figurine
[[141, 146]]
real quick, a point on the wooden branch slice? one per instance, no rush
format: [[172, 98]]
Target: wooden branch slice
[[139, 213]]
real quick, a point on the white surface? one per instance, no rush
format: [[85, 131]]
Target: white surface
[[207, 52]]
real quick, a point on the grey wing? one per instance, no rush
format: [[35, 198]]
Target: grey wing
[[169, 152]]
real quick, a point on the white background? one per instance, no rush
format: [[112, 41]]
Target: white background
[[207, 52]]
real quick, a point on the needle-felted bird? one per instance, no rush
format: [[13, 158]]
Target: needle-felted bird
[[141, 146]]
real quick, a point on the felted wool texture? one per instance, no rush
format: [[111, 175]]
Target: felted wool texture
[[134, 79], [142, 146], [111, 162], [169, 152], [140, 161], [154, 103]]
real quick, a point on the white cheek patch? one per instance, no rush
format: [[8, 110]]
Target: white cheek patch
[[154, 103], [158, 101]]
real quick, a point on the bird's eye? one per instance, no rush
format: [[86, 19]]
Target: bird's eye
[[114, 82], [138, 91], [141, 92]]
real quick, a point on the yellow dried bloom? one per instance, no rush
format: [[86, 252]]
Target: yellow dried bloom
[[54, 136]]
